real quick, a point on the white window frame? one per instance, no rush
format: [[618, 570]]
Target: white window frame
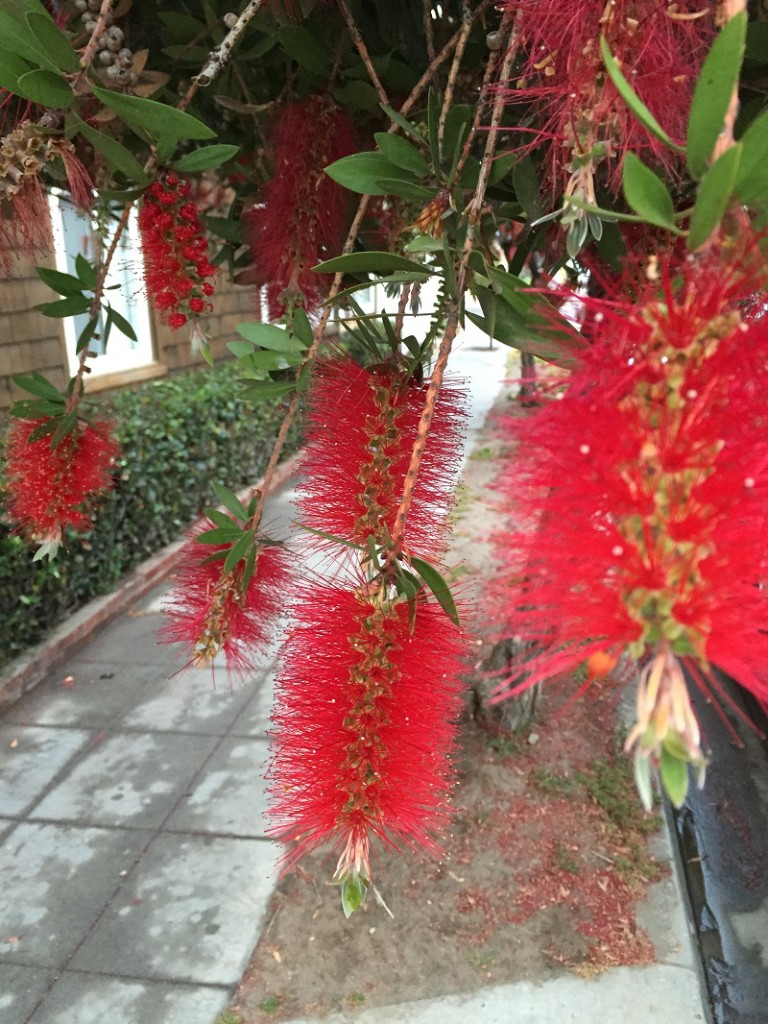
[[128, 298]]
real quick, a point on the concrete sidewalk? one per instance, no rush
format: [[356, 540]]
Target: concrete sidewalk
[[134, 866]]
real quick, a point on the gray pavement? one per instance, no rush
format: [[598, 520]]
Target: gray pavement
[[134, 868]]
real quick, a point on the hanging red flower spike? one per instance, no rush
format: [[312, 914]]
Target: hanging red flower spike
[[361, 426], [214, 611], [302, 216], [652, 475], [176, 266], [365, 725], [50, 489]]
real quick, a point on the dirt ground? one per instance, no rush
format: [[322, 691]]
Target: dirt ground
[[542, 870]]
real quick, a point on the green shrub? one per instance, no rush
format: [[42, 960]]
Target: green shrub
[[178, 436]]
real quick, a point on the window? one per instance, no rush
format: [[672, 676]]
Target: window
[[73, 233]]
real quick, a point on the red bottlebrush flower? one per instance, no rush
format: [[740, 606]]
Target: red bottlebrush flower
[[302, 215], [651, 474], [364, 725], [174, 246], [51, 488], [361, 427], [213, 611], [660, 50]]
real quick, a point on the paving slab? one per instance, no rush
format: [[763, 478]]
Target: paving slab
[[191, 911], [86, 694], [129, 779], [230, 794], [193, 701], [30, 758], [90, 998], [60, 877], [129, 638], [659, 994], [21, 989]]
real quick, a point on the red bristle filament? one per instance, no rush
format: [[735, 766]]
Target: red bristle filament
[[651, 475], [302, 215], [214, 611], [361, 427], [50, 489], [364, 724]]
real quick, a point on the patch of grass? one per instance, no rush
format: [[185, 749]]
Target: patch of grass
[[551, 782], [229, 1018], [356, 998], [564, 860], [506, 746], [610, 784], [483, 959], [271, 1004]]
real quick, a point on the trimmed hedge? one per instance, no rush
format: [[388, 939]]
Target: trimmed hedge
[[178, 435]]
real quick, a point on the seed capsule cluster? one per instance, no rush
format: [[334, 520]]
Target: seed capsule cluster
[[112, 54]]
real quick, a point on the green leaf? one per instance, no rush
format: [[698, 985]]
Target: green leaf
[[47, 88], [239, 550], [220, 535], [715, 192], [642, 773], [633, 101], [86, 272], [86, 334], [230, 501], [406, 190], [501, 167], [36, 384], [12, 68], [158, 120], [269, 336], [64, 427], [353, 892], [436, 583], [49, 37], [116, 156], [646, 193], [302, 328], [219, 518], [64, 284], [34, 409], [20, 40], [205, 158], [265, 361], [718, 78], [674, 777], [362, 172], [401, 153], [269, 390], [224, 227], [356, 95], [403, 123], [306, 49], [368, 262], [527, 186], [752, 177], [70, 306], [121, 323]]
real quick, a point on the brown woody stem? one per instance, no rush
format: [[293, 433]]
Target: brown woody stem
[[473, 214], [362, 49]]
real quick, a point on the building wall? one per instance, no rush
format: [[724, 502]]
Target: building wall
[[30, 341]]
